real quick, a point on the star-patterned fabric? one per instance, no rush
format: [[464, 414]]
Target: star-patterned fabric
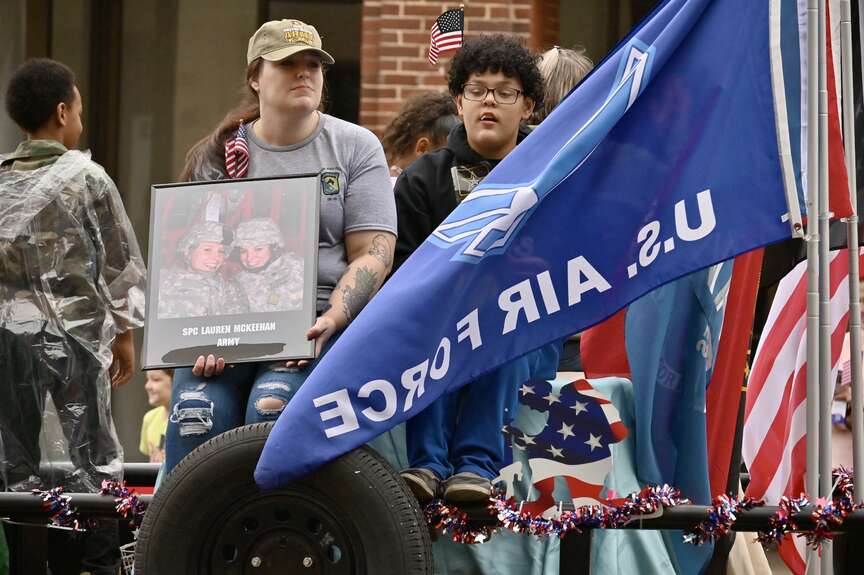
[[578, 430]]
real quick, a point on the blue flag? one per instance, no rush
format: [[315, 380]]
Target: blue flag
[[672, 336], [668, 158]]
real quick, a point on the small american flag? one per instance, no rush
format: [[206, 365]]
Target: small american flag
[[446, 34], [237, 154]]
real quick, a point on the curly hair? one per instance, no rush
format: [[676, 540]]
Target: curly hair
[[496, 53], [35, 90], [432, 115]]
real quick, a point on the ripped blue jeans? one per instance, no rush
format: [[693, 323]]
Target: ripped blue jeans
[[204, 407]]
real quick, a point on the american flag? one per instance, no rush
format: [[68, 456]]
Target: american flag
[[775, 419], [575, 443], [237, 154], [446, 34]]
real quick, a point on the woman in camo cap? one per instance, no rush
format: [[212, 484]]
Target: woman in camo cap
[[279, 129]]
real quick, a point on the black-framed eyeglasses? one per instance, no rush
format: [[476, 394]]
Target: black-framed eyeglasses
[[502, 94]]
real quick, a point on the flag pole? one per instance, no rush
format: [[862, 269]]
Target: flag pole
[[826, 385], [852, 233], [812, 239], [861, 36]]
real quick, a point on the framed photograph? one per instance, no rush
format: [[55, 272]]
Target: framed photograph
[[233, 270]]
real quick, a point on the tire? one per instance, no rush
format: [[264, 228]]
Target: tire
[[353, 516]]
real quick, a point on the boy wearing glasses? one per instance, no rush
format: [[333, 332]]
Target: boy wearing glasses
[[455, 446]]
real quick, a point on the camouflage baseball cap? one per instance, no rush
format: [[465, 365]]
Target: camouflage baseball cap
[[278, 39], [205, 232], [257, 232]]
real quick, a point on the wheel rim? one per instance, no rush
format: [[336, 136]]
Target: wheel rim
[[285, 533]]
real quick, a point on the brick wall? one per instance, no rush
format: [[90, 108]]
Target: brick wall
[[396, 38]]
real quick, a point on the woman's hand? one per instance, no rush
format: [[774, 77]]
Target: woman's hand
[[208, 366], [321, 331]]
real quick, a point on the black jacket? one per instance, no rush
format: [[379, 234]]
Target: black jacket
[[425, 193]]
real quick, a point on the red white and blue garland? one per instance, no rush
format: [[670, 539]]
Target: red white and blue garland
[[613, 516], [449, 519], [723, 514], [63, 514], [59, 508], [127, 503], [827, 516]]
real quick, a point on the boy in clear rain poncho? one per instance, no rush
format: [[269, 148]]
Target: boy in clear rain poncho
[[272, 277], [71, 289], [196, 287]]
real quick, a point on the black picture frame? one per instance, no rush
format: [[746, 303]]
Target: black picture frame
[[212, 290]]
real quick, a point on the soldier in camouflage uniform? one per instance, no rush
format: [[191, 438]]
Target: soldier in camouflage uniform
[[196, 287], [71, 289], [271, 277]]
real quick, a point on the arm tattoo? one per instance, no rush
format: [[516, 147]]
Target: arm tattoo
[[380, 250], [355, 298]]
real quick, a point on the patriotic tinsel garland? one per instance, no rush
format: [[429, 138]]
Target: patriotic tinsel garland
[[827, 515], [128, 505], [63, 514], [721, 516], [59, 508]]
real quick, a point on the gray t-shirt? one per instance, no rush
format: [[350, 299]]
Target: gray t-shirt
[[355, 184]]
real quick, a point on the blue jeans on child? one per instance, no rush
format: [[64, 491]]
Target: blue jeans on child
[[204, 407], [461, 431]]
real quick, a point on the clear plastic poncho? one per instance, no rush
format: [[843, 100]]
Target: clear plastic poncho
[[71, 278]]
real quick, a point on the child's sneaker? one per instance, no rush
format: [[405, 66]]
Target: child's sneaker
[[467, 486], [422, 482]]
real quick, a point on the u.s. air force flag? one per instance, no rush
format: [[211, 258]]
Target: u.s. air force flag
[[670, 157]]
